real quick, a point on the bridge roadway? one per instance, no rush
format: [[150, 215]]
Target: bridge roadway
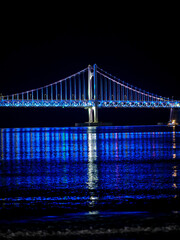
[[90, 103]]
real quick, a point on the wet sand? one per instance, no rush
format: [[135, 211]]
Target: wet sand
[[125, 225]]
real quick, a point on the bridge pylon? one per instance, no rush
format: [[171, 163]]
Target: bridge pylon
[[92, 94]]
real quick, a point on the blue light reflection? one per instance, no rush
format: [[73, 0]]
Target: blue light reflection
[[88, 166]]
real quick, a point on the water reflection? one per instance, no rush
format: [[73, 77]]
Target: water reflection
[[92, 164], [80, 144], [88, 165]]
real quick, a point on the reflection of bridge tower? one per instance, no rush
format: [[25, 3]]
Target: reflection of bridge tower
[[92, 93], [92, 183]]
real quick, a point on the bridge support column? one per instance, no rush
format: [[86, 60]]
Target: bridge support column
[[90, 114], [95, 114]]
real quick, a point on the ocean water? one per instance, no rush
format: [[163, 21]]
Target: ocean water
[[74, 174]]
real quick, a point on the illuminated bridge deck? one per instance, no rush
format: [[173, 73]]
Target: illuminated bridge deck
[[90, 103]]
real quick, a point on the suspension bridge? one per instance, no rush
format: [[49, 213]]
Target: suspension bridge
[[90, 88]]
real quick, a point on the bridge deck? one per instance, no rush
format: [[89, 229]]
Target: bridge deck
[[90, 103]]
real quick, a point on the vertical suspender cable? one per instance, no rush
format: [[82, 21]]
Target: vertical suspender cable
[[65, 89], [131, 94], [42, 94], [127, 94], [51, 92], [79, 87], [70, 92], [74, 87], [109, 89], [106, 88], [114, 91], [61, 91], [118, 92], [123, 92], [56, 92], [84, 86], [46, 93], [101, 83]]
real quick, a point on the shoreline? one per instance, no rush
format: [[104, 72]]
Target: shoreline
[[86, 227]]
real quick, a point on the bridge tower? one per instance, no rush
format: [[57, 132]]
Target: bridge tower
[[92, 93]]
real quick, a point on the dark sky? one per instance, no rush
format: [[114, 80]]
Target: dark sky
[[42, 44]]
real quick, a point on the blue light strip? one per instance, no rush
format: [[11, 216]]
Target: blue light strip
[[86, 103]]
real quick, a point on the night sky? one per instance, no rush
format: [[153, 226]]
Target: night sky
[[42, 44]]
